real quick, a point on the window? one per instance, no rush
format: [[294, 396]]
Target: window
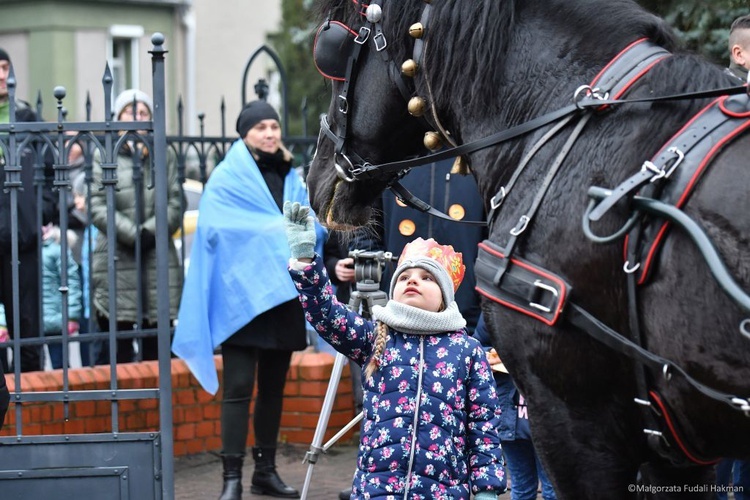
[[123, 57]]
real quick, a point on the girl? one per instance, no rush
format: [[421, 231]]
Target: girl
[[430, 405]]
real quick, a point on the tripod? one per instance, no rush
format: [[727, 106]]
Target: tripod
[[368, 267]]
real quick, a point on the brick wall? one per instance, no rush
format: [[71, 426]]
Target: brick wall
[[195, 413]]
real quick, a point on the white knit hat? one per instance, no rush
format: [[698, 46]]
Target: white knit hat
[[433, 267], [127, 97]]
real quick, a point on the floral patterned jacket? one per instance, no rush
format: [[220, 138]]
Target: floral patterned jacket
[[430, 410]]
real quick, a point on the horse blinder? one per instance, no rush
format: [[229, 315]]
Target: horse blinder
[[332, 48]]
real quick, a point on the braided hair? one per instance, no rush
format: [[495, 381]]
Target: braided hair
[[377, 353]]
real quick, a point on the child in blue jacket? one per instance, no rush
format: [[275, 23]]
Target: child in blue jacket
[[430, 404], [52, 298]]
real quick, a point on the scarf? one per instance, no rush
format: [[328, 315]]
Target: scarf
[[277, 160], [410, 319], [738, 71]]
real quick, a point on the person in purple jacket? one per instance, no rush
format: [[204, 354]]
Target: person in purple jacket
[[430, 404]]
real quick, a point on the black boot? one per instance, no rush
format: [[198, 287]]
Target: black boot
[[232, 477], [265, 479]]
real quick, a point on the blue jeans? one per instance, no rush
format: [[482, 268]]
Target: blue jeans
[[55, 354], [525, 471]]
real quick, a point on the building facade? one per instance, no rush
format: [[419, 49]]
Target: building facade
[[67, 43]]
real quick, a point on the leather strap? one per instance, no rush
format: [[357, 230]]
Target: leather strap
[[580, 318], [412, 201]]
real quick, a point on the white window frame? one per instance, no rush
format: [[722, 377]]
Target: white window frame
[[128, 34]]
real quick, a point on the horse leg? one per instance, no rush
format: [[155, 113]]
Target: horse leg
[[661, 481], [584, 451]]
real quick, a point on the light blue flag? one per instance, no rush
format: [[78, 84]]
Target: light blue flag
[[238, 261]]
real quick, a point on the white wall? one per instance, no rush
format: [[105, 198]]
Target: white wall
[[91, 59], [17, 47], [227, 34]]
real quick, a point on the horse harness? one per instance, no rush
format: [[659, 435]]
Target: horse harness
[[532, 290], [529, 288]]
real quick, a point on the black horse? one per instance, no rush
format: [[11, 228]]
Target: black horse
[[483, 67]]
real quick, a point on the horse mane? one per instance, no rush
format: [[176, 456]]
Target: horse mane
[[472, 43]]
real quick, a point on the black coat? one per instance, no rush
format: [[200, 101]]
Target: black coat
[[28, 229], [333, 251]]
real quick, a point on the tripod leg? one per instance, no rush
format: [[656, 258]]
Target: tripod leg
[[315, 447]]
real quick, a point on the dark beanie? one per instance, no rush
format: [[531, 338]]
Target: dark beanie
[[252, 113], [4, 55]]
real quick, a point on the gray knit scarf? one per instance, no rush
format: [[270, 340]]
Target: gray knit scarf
[[410, 319]]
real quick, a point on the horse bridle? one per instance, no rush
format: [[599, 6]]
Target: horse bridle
[[349, 165]]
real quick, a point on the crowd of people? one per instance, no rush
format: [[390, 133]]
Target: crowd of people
[[82, 270], [254, 221]]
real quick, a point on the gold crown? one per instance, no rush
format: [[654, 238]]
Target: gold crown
[[444, 255]]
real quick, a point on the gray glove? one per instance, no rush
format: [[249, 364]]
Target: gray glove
[[300, 230]]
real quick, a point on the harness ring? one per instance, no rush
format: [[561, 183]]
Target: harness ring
[[521, 225], [630, 269], [745, 327], [343, 173]]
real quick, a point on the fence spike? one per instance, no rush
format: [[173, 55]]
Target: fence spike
[[107, 82]]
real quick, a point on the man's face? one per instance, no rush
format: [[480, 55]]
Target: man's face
[[4, 70]]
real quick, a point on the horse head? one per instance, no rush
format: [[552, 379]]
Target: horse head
[[362, 55]]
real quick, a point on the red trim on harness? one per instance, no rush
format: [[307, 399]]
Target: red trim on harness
[[638, 77], [676, 436], [536, 270], [733, 114], [605, 68], [362, 6], [633, 80], [686, 126], [688, 189]]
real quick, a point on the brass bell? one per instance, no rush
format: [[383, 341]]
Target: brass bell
[[460, 166], [409, 68], [432, 141], [416, 106], [416, 30]]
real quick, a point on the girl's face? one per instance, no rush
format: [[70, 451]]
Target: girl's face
[[418, 288], [264, 136]]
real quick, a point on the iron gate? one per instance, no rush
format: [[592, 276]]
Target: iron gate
[[116, 465]]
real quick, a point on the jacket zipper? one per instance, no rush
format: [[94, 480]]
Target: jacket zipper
[[416, 417], [447, 191]]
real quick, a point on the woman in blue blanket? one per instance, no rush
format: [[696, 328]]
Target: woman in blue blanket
[[238, 295]]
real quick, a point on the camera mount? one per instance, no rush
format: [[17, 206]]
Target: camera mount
[[368, 270]]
